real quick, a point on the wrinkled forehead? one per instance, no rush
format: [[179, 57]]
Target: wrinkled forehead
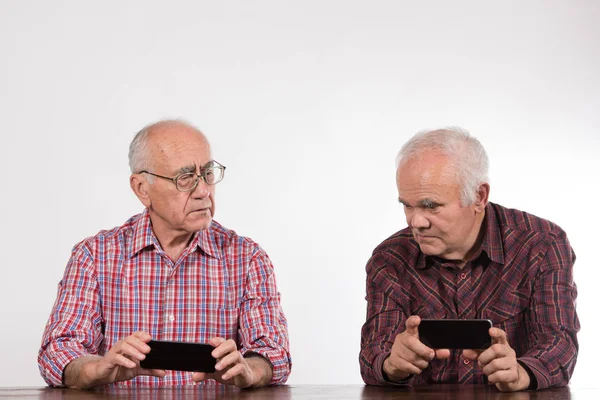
[[179, 148], [427, 169]]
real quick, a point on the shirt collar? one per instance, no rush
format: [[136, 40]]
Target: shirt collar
[[142, 234], [143, 237], [206, 240], [492, 240]]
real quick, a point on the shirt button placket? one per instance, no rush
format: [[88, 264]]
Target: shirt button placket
[[465, 370], [169, 316], [464, 294]]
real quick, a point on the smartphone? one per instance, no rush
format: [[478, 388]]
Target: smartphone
[[455, 333], [179, 356]]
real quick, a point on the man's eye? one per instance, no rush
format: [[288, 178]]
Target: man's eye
[[431, 206]]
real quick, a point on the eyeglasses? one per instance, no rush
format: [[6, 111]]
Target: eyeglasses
[[187, 181]]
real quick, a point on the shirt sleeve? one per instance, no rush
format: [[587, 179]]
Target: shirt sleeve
[[74, 327], [385, 319], [263, 326], [553, 322]]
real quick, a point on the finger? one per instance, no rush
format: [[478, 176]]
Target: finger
[[412, 325], [413, 359], [142, 336], [414, 352], [160, 373], [226, 347], [498, 364], [414, 345], [120, 359], [496, 351], [201, 376], [471, 354], [140, 340], [229, 361], [130, 350], [504, 376], [442, 354], [238, 369], [498, 336], [414, 367], [216, 341]]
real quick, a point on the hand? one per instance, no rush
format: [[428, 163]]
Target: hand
[[409, 355], [499, 363], [233, 369], [121, 363]]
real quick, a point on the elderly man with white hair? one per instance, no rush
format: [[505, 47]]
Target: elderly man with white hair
[[170, 273], [463, 257]]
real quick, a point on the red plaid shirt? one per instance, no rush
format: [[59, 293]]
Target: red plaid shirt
[[522, 280], [121, 281]]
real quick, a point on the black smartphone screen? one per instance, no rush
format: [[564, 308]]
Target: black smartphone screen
[[455, 333], [179, 356]]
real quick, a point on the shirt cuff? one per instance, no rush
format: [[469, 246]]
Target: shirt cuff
[[534, 368], [54, 364], [280, 366]]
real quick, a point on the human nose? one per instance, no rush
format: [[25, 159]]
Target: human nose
[[416, 219], [201, 190]]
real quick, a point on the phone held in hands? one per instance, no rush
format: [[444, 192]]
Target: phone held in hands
[[179, 356], [455, 333]]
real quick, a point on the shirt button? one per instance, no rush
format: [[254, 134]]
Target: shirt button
[[466, 361], [171, 318], [463, 276]]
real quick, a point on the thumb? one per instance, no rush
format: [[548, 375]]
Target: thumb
[[498, 336], [216, 341], [201, 376], [412, 325]]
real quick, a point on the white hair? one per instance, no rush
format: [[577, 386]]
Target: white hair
[[467, 153], [139, 151], [140, 157]]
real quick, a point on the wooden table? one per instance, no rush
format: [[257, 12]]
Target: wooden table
[[436, 392]]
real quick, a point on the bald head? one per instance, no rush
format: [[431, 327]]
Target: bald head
[[159, 139]]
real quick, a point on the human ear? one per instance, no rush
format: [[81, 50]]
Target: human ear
[[139, 185], [482, 197]]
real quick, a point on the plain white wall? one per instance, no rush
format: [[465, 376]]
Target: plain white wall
[[306, 103]]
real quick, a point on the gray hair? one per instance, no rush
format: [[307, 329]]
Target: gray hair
[[139, 150], [468, 154]]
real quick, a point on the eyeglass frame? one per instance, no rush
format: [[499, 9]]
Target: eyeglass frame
[[202, 176]]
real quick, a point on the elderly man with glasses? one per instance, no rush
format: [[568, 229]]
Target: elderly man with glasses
[[170, 273]]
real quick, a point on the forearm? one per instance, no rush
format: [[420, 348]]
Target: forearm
[[373, 373], [553, 322], [551, 368], [79, 373], [262, 323], [74, 327], [384, 319]]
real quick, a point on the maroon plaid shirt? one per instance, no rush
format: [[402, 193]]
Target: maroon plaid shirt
[[522, 280], [121, 281]]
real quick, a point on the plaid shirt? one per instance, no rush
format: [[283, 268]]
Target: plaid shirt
[[121, 281], [522, 280]]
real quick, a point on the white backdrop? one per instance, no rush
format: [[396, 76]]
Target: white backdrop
[[306, 103]]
